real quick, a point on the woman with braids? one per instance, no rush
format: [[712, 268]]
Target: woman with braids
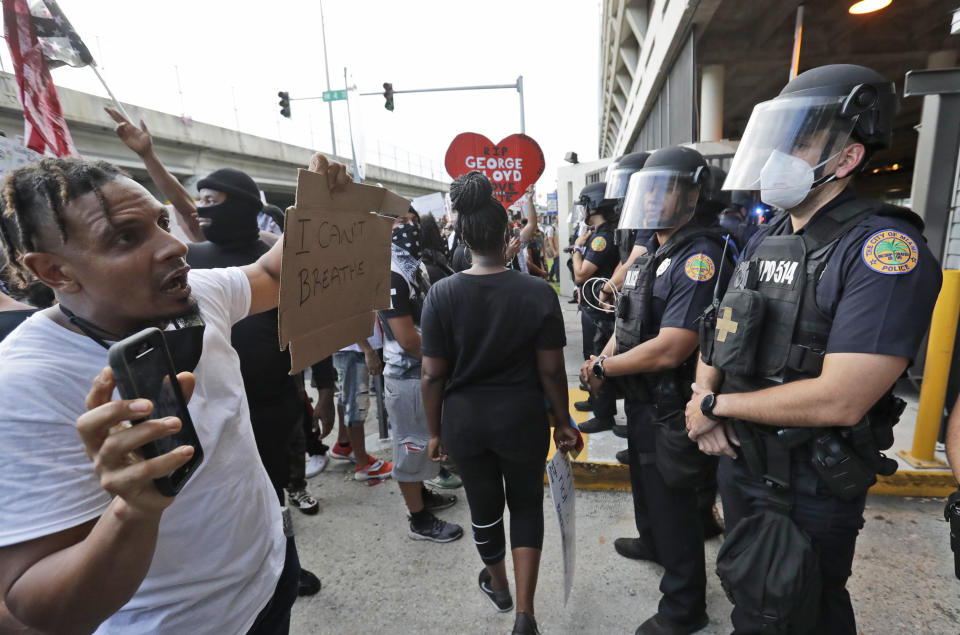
[[492, 351]]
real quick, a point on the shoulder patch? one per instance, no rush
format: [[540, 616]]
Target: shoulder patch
[[890, 252], [598, 244], [699, 267]]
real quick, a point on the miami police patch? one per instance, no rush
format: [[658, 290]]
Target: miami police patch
[[890, 252], [699, 267], [598, 244]]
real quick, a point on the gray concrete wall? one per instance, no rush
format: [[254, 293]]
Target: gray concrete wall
[[191, 149]]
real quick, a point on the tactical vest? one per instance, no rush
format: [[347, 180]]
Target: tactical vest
[[636, 324], [769, 330]]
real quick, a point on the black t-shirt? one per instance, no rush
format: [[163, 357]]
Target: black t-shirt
[[489, 329]]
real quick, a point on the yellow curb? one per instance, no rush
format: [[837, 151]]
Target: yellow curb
[[933, 483], [928, 483]]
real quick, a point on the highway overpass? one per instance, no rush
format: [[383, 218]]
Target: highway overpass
[[190, 149]]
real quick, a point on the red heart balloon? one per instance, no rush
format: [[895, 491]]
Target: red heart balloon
[[511, 165]]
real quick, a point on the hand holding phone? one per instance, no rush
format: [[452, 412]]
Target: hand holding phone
[[143, 369], [111, 444]]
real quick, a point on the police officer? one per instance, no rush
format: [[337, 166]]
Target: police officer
[[827, 307], [652, 358], [617, 179], [595, 256]]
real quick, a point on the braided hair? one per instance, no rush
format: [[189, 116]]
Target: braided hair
[[34, 197], [481, 219]]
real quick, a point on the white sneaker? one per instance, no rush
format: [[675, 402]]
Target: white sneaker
[[316, 464]]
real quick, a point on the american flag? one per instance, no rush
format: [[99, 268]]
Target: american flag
[[58, 41], [44, 125]]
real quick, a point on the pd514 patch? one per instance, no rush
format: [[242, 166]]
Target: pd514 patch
[[890, 252], [598, 244], [699, 267]]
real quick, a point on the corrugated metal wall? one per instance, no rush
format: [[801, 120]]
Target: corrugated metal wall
[[951, 256], [672, 120]]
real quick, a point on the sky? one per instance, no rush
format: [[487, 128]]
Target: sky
[[223, 62]]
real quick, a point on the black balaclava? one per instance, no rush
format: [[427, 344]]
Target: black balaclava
[[234, 221]]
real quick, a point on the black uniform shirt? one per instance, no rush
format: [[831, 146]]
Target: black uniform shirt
[[879, 286], [685, 284], [601, 251]]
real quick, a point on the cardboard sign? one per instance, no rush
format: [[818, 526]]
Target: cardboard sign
[[560, 477], [336, 266], [511, 165]]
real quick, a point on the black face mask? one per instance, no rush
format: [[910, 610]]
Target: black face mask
[[185, 343], [231, 222]]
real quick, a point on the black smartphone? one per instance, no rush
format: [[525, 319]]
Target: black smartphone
[[143, 369]]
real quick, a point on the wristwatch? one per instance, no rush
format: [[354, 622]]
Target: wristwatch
[[708, 404], [580, 249], [598, 368]]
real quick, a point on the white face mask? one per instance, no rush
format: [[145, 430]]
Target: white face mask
[[786, 180]]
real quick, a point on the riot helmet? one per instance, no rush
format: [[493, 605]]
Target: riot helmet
[[664, 194], [790, 140], [620, 171], [591, 201]]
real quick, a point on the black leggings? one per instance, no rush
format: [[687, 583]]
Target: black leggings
[[500, 445], [489, 479]]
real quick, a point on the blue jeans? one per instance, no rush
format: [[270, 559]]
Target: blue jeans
[[352, 369]]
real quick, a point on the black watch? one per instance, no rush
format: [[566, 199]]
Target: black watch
[[598, 369], [708, 404]]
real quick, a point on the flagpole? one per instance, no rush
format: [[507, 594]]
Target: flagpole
[[110, 92]]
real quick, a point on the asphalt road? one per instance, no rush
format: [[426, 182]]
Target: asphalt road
[[377, 580]]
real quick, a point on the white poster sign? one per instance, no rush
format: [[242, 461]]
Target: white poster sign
[[560, 476]]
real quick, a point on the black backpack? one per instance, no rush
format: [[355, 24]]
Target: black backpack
[[770, 571]]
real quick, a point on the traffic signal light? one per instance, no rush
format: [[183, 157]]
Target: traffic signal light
[[388, 95], [284, 103]]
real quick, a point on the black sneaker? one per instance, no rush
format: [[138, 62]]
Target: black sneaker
[[302, 500], [525, 625], [624, 456], [596, 425], [436, 530], [634, 549], [583, 406], [432, 501], [620, 430], [501, 599], [309, 584], [659, 625]]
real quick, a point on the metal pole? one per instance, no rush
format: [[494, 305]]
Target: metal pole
[[326, 65], [353, 149], [381, 407], [117, 103], [523, 126], [797, 36], [936, 372]]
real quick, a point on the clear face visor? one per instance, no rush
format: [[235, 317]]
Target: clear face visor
[[659, 199], [577, 214], [808, 128], [617, 181]]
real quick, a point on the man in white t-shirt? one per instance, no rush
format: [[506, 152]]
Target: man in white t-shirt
[[86, 541]]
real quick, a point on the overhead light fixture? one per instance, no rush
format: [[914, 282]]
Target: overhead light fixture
[[868, 6], [571, 157]]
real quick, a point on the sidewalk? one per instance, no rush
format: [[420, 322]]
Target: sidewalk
[[598, 467]]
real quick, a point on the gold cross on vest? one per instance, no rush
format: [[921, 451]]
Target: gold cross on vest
[[725, 325]]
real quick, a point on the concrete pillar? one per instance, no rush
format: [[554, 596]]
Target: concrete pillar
[[711, 103]]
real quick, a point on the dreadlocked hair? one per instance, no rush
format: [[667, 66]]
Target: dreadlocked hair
[[33, 199], [481, 219]]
